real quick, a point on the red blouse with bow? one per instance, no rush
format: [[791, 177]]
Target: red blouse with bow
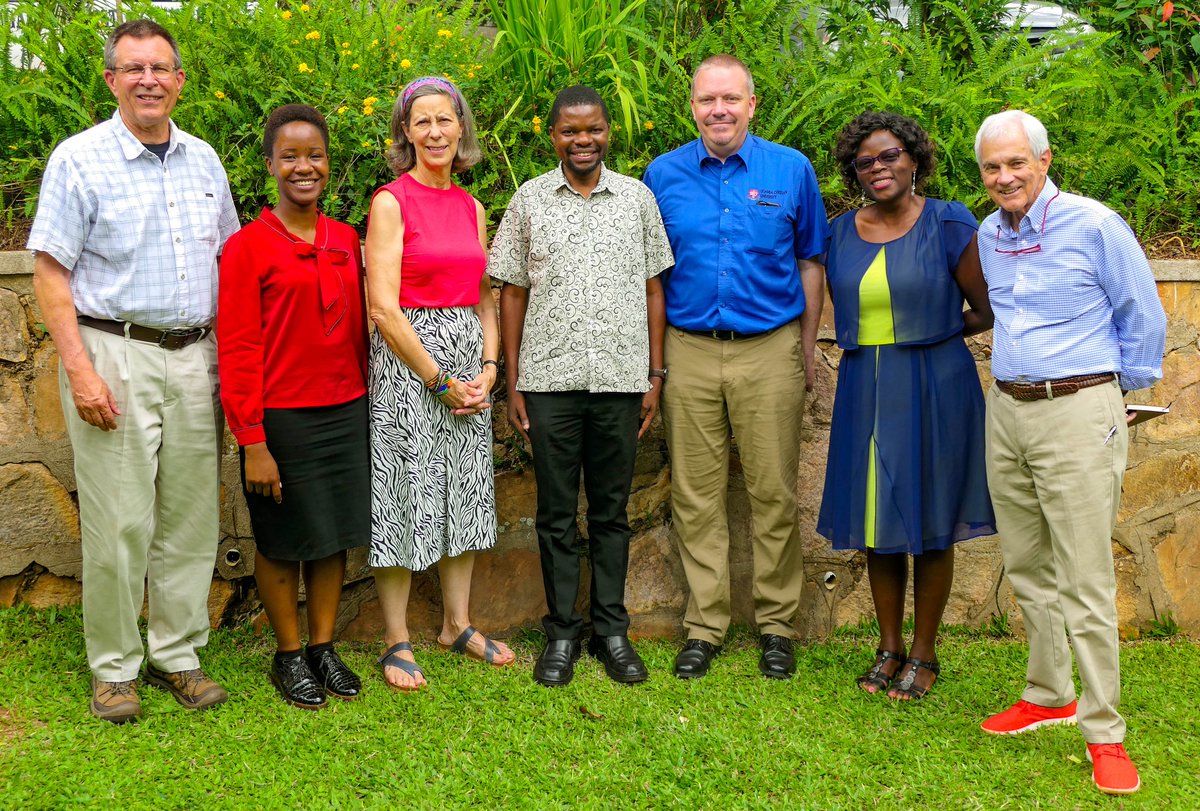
[[291, 321]]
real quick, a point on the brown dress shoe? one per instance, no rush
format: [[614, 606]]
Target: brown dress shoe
[[115, 701], [191, 688]]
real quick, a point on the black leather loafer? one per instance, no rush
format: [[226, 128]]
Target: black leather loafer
[[778, 660], [621, 662], [556, 665], [331, 672], [695, 658], [294, 679]]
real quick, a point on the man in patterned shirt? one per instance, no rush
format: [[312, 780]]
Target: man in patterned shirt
[[131, 216], [582, 320], [1078, 323]]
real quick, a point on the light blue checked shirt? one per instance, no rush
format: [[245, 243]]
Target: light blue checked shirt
[[1084, 303], [139, 235]]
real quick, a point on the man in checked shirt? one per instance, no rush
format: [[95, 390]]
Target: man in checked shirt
[[1078, 323], [131, 216]]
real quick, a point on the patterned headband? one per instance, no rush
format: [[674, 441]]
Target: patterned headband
[[436, 81]]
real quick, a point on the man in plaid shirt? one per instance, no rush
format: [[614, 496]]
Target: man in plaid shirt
[[131, 217]]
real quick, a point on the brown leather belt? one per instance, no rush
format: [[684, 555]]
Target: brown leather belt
[[166, 338], [1049, 389]]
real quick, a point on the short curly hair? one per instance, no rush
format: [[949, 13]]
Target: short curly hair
[[287, 114], [917, 143]]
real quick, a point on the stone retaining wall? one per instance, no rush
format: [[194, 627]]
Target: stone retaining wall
[[1156, 544]]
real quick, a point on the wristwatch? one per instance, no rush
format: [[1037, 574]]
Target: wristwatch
[[661, 374]]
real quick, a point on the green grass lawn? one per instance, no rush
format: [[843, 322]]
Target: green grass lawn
[[492, 738]]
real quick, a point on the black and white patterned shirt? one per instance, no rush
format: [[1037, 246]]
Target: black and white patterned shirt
[[585, 262]]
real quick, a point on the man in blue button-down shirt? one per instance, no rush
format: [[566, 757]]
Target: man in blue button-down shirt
[[745, 220], [1078, 322]]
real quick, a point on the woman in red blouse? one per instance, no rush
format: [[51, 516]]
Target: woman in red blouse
[[292, 354]]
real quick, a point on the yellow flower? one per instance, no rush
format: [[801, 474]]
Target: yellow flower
[[387, 141], [442, 32], [537, 128], [287, 15], [470, 74], [368, 110], [374, 42], [342, 110], [305, 7], [405, 63], [369, 101], [313, 35], [333, 198], [295, 42], [354, 66], [440, 15], [649, 125], [219, 94], [304, 68], [537, 120], [366, 143], [345, 44]]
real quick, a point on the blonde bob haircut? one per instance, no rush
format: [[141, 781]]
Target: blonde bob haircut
[[401, 155]]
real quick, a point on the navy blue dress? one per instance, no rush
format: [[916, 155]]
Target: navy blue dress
[[906, 470]]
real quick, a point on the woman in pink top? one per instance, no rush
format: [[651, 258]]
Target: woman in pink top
[[432, 365]]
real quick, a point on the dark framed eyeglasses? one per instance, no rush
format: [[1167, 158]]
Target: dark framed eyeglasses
[[1028, 249], [887, 157]]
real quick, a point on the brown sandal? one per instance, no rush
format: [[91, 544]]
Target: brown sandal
[[875, 677], [907, 686]]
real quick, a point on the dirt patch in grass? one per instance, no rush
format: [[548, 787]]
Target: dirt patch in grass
[[13, 727]]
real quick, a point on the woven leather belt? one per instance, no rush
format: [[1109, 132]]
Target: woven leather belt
[[726, 334], [1049, 389], [167, 339]]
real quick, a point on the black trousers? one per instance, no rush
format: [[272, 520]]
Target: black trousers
[[597, 434]]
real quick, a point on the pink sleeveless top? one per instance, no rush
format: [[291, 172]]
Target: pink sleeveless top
[[443, 260]]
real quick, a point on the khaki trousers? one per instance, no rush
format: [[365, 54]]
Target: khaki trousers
[[148, 502], [1054, 470], [754, 388]]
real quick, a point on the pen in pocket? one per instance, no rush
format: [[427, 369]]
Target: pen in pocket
[[1112, 432]]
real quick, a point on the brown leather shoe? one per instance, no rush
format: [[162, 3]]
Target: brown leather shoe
[[115, 701], [191, 688]]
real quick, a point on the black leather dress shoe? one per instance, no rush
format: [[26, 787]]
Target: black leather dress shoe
[[621, 662], [778, 660], [331, 672], [294, 679], [695, 658], [556, 665]]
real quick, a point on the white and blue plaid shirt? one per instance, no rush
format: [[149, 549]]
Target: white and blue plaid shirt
[[139, 235], [1073, 294]]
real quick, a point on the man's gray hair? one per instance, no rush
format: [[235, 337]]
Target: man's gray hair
[[138, 29], [724, 61], [994, 125]]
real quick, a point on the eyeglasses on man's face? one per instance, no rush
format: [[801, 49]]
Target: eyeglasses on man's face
[[887, 157], [133, 70]]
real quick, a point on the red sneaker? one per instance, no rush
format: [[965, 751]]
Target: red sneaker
[[1025, 717], [1112, 770]]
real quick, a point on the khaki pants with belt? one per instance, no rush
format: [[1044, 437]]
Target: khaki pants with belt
[[148, 502], [1054, 470], [755, 388]]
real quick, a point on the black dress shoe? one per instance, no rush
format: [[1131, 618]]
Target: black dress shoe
[[332, 673], [621, 662], [778, 660], [556, 665], [695, 658], [294, 679]]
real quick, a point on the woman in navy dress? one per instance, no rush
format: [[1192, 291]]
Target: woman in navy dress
[[905, 474]]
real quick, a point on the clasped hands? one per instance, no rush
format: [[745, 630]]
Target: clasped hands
[[467, 397]]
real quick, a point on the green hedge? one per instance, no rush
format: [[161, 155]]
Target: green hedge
[[1121, 132]]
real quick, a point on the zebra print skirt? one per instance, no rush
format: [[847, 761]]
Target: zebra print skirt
[[433, 494]]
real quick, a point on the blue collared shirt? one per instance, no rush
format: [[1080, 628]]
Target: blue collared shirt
[[736, 229], [1084, 302]]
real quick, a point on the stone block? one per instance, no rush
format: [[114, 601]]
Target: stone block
[[516, 509], [43, 396], [10, 587], [221, 597], [16, 423], [1158, 478], [1177, 558], [39, 522], [14, 334], [51, 590]]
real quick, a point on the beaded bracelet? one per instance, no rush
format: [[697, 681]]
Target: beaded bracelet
[[432, 382], [442, 385]]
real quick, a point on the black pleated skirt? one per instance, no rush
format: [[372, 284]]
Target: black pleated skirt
[[324, 460]]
